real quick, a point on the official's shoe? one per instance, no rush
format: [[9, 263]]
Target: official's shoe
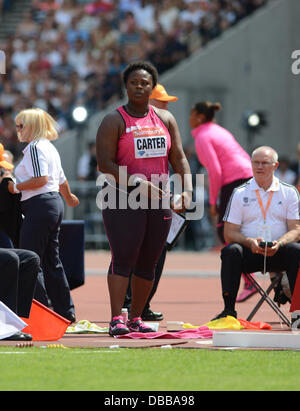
[[225, 313], [19, 336], [70, 317], [149, 315], [279, 296]]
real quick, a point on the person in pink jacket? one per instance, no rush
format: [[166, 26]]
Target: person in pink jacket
[[227, 164]]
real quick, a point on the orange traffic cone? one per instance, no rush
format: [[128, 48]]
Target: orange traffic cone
[[44, 324], [295, 304]]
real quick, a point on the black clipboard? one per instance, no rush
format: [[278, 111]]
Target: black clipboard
[[179, 224]]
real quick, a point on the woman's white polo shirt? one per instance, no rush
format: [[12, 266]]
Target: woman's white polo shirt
[[40, 159]]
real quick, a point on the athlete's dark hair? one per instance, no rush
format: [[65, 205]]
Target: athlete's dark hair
[[141, 65], [208, 109]]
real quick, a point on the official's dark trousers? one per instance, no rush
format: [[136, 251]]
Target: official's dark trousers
[[18, 274], [237, 259], [40, 231]]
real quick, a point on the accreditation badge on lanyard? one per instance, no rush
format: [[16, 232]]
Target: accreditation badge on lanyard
[[264, 230]]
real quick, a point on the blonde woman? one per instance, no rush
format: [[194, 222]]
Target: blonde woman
[[40, 178]]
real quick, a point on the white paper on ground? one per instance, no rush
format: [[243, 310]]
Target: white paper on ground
[[10, 323]]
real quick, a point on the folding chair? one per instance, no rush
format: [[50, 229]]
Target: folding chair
[[265, 297]]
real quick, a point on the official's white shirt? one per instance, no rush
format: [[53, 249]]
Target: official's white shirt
[[40, 159], [243, 208]]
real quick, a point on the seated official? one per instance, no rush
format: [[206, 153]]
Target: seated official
[[18, 274], [262, 209]]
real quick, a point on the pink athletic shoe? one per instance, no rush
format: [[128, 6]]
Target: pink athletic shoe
[[117, 327], [247, 292], [137, 325]]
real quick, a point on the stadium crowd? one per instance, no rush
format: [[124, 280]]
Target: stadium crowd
[[71, 52]]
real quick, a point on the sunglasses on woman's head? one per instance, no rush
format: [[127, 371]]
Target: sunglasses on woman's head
[[19, 126]]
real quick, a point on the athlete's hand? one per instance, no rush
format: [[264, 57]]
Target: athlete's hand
[[149, 190], [181, 202]]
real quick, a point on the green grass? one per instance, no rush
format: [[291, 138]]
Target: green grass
[[73, 369]]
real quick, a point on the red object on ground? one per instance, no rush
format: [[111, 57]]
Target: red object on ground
[[44, 324], [260, 325], [295, 304]]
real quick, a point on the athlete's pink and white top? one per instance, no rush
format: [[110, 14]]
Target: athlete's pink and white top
[[222, 156], [144, 146]]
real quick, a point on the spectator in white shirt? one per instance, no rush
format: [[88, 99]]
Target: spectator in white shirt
[[77, 57], [23, 57]]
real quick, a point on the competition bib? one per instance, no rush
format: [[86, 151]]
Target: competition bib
[[150, 143], [150, 147]]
